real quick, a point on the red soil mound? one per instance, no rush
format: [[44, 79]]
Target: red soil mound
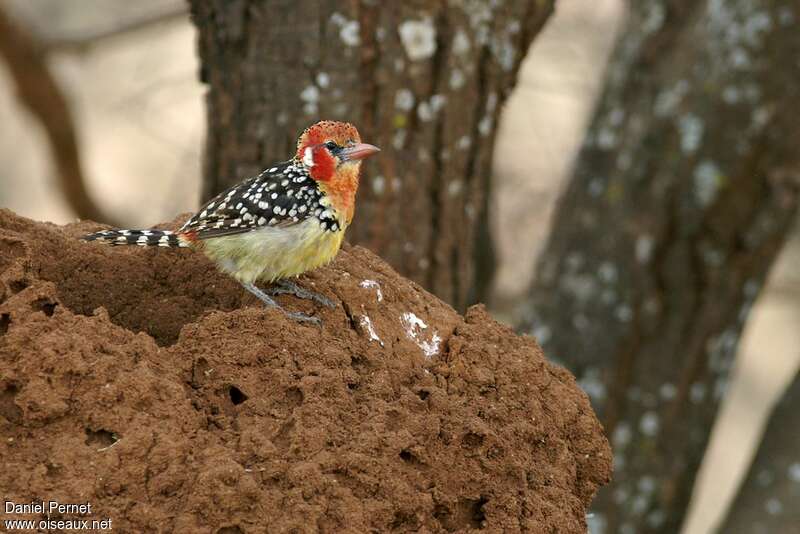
[[149, 385]]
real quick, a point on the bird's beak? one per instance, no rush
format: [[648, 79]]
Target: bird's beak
[[358, 151]]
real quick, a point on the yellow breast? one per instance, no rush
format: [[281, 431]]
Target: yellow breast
[[272, 253]]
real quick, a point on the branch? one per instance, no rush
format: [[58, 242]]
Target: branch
[[38, 91], [769, 500]]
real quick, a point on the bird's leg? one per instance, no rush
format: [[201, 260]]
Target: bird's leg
[[266, 299], [285, 287], [263, 297]]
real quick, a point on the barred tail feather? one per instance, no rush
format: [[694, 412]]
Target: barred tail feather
[[143, 238]]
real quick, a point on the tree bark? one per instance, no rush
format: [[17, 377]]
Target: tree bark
[[769, 499], [680, 200], [424, 80]]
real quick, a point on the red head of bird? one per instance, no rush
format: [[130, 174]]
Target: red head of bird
[[332, 151]]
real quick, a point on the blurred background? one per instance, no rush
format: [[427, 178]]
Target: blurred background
[[599, 86]]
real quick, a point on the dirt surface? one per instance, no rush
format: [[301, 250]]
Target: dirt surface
[[147, 384]]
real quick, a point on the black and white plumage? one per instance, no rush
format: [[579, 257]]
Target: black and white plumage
[[280, 196], [144, 238]]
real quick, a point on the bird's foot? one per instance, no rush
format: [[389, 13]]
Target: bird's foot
[[303, 318], [285, 287], [266, 299]]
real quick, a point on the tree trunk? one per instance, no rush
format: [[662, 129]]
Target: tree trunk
[[423, 79], [680, 200], [769, 499]]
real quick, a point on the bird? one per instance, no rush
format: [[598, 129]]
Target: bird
[[287, 220]]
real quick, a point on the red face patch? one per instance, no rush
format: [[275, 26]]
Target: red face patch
[[324, 165], [314, 137]]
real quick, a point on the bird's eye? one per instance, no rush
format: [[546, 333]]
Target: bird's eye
[[330, 145]]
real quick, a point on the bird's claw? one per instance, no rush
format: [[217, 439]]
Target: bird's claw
[[303, 318], [284, 287], [323, 300]]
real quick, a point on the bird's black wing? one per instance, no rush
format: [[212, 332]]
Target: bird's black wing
[[282, 195]]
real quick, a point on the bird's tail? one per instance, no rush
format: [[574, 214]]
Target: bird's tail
[[143, 238]]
